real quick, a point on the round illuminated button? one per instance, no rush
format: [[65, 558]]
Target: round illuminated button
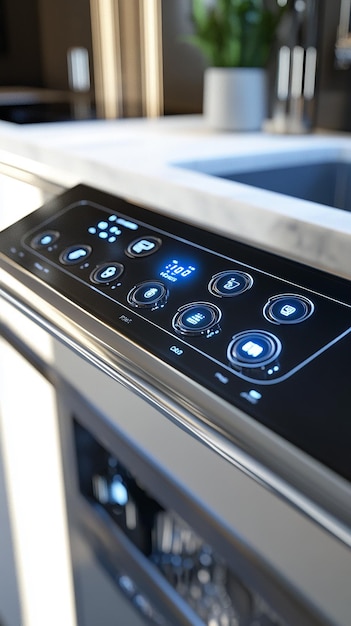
[[143, 246], [107, 272], [230, 283], [75, 254], [253, 348], [45, 239], [150, 294], [197, 318], [288, 309]]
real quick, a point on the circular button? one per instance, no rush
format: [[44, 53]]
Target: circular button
[[230, 283], [143, 246], [288, 308], [107, 272], [150, 294], [75, 254], [45, 239], [197, 318], [253, 348]]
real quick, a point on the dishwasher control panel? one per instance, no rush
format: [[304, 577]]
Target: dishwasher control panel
[[267, 334]]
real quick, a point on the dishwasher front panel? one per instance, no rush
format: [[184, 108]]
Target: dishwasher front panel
[[138, 531]]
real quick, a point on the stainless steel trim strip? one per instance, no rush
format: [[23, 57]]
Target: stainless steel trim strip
[[30, 178]]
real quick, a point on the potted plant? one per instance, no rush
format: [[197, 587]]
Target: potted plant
[[236, 37]]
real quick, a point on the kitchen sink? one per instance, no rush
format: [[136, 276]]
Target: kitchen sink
[[325, 183], [314, 175]]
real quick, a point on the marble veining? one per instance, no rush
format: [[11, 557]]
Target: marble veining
[[166, 164]]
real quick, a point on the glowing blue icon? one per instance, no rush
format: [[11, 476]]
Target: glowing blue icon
[[112, 239], [103, 235], [255, 395], [112, 218], [46, 240], [176, 350], [92, 230], [150, 293], [174, 270], [143, 246], [102, 225], [195, 319], [252, 349], [118, 491], [288, 310], [108, 272], [232, 283], [222, 379], [77, 254], [127, 224], [115, 230], [252, 396]]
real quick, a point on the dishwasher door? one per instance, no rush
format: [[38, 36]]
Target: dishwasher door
[[195, 378], [175, 527], [143, 551]]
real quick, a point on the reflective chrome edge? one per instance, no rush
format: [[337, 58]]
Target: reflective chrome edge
[[174, 406], [25, 176]]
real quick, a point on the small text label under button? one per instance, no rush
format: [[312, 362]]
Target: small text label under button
[[176, 350]]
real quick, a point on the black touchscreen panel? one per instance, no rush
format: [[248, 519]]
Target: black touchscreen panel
[[268, 335]]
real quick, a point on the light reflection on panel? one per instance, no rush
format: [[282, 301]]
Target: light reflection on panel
[[34, 486], [26, 330], [17, 199]]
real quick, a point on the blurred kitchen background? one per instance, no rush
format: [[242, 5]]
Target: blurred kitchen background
[[87, 59], [124, 58]]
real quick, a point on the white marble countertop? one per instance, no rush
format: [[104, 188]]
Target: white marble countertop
[[148, 161]]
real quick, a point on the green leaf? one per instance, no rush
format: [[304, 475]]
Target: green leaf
[[233, 33]]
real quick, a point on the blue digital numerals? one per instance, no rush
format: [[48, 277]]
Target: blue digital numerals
[[177, 270]]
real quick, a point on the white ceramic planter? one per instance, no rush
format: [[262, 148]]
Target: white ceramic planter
[[235, 98]]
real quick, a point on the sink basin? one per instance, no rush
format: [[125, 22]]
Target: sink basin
[[325, 183], [315, 175]]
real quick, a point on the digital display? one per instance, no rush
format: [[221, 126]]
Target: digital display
[[177, 270]]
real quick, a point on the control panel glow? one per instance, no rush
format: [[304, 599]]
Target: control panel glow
[[176, 270], [197, 318], [230, 283], [221, 308]]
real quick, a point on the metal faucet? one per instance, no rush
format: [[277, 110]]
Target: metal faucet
[[296, 71], [343, 42]]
